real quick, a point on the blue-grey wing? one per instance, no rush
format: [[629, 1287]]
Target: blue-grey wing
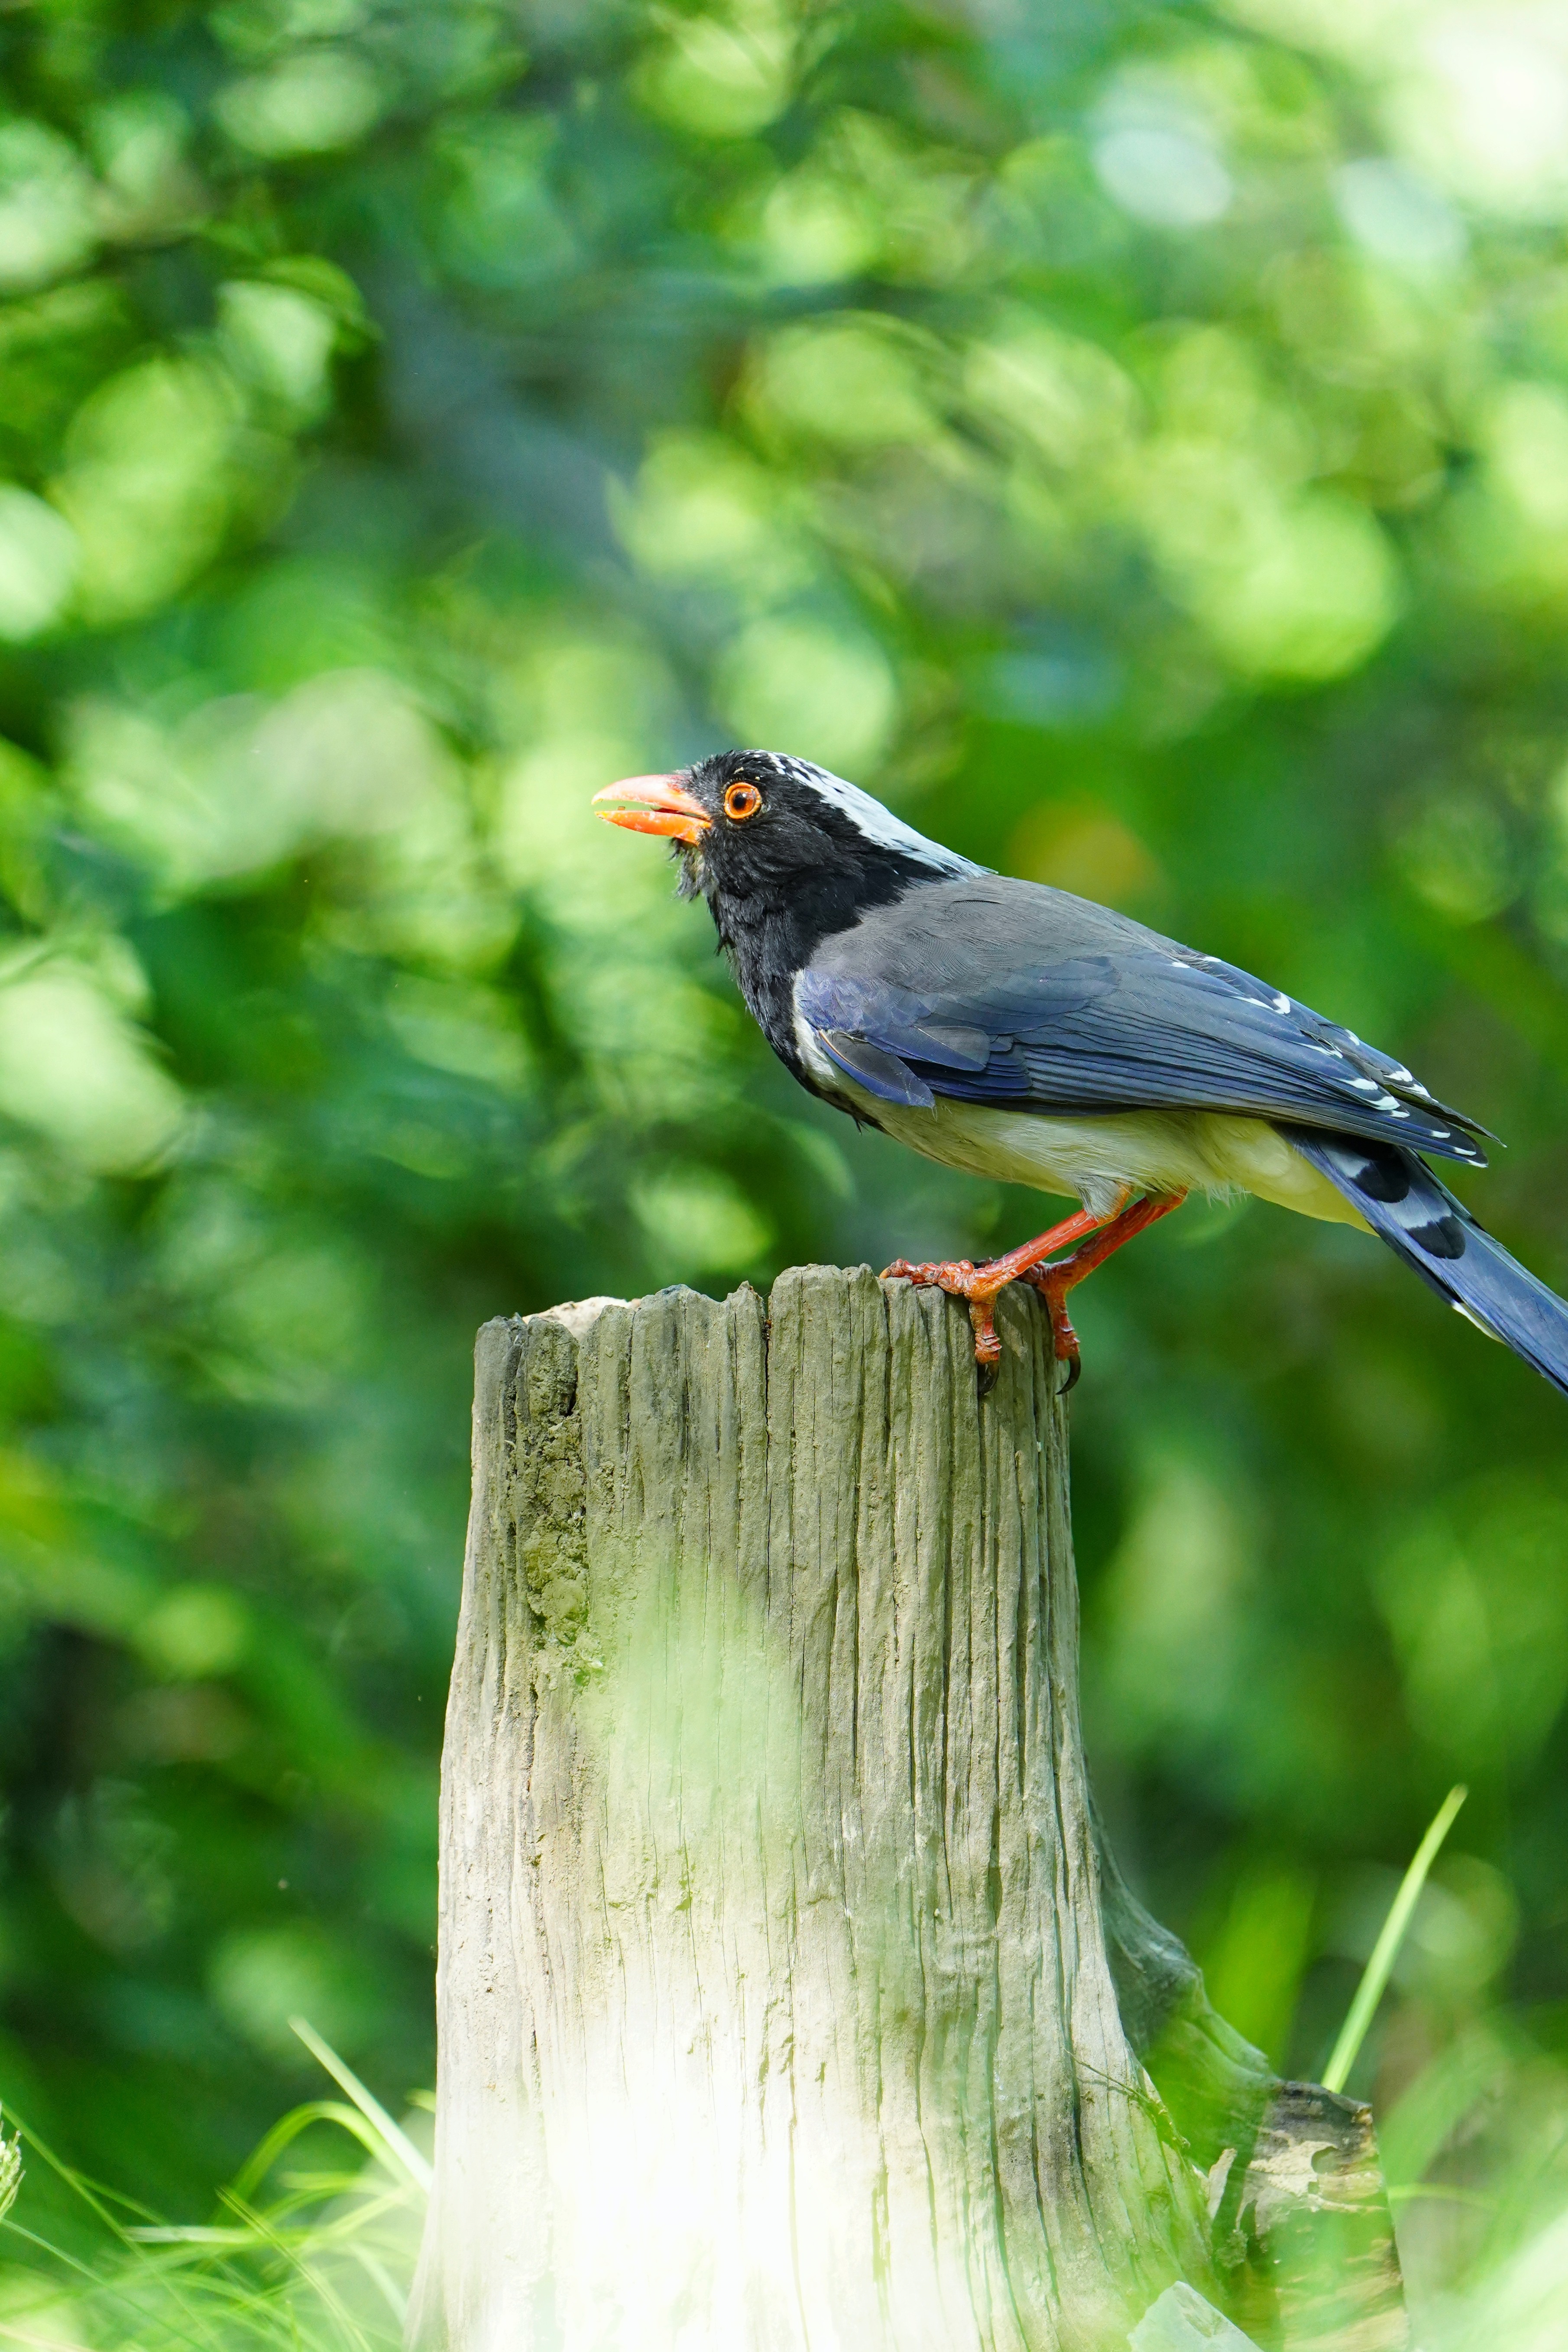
[[1004, 992]]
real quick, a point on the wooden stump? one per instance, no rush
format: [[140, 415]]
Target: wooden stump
[[775, 2003]]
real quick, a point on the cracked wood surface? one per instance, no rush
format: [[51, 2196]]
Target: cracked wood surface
[[774, 1998]]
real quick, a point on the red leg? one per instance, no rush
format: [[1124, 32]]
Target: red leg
[[1054, 1282], [982, 1285]]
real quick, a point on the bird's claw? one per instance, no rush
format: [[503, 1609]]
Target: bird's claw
[[980, 1288], [1064, 1339], [987, 1346], [1094, 1237], [953, 1274]]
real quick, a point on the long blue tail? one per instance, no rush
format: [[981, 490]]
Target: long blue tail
[[1422, 1221]]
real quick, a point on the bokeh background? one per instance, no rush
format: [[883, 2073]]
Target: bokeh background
[[1132, 441]]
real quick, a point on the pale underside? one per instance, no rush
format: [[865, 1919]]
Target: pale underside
[[1100, 1160]]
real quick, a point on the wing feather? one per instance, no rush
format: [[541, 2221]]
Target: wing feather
[[1006, 992]]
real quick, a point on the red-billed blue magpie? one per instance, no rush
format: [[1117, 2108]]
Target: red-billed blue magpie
[[1025, 1034]]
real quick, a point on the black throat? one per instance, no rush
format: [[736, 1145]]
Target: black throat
[[770, 934]]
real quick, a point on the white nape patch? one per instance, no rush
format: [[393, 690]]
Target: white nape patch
[[870, 818]]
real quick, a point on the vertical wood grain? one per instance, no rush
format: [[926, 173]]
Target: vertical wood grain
[[774, 2004]]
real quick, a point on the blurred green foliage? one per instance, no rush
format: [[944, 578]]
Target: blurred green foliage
[[1136, 444]]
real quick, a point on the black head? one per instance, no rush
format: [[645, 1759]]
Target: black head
[[785, 855], [758, 825]]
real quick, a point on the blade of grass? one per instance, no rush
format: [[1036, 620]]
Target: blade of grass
[[1386, 1951], [311, 2273], [251, 2281], [381, 2279], [195, 2234], [95, 2198], [259, 2163], [398, 2144]]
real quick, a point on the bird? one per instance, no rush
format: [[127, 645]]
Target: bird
[[1021, 1032]]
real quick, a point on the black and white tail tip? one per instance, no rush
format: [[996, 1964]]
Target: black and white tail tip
[[1435, 1234]]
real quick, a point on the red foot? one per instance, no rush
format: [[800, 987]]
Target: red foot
[[981, 1285], [961, 1278], [949, 1274], [1064, 1339]]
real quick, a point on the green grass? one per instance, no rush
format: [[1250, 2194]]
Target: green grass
[[1386, 1951], [293, 2257], [312, 2245]]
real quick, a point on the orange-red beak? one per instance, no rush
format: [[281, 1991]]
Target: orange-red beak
[[655, 804]]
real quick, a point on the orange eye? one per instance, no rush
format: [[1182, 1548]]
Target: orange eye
[[741, 800]]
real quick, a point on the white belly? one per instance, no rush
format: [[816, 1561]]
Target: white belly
[[1097, 1159]]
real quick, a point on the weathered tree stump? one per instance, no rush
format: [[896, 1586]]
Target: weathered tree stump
[[784, 1999]]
